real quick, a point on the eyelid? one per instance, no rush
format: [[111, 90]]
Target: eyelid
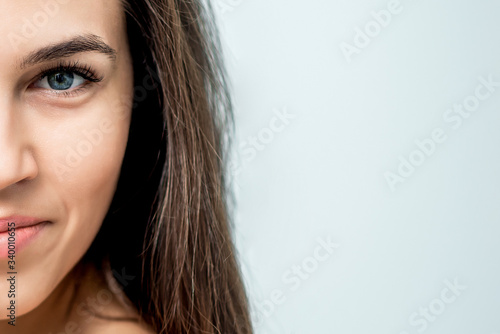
[[88, 73], [67, 93]]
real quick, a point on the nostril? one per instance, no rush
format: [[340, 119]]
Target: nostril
[[17, 167]]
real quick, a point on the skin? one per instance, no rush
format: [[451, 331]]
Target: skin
[[39, 174]]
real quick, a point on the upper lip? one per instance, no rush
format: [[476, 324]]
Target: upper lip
[[19, 221]]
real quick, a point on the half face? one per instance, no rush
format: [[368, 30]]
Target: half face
[[66, 87]]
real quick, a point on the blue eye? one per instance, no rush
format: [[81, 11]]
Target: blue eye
[[60, 80], [66, 79]]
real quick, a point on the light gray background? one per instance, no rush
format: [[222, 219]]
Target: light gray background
[[321, 174]]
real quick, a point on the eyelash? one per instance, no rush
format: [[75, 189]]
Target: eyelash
[[85, 71]]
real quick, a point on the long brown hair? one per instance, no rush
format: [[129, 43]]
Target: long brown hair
[[183, 276]]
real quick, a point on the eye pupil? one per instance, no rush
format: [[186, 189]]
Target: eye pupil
[[60, 80]]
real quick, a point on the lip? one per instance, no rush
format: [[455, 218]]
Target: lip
[[26, 230], [20, 222]]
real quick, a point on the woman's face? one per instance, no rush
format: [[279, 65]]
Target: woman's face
[[66, 88]]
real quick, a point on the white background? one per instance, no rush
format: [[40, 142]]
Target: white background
[[321, 174]]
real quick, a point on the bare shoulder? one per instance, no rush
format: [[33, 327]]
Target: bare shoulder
[[116, 315], [123, 327]]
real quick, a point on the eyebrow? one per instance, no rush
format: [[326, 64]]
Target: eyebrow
[[68, 48]]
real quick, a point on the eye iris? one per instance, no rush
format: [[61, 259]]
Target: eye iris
[[60, 80]]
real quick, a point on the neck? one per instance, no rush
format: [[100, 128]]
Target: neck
[[53, 310], [73, 307]]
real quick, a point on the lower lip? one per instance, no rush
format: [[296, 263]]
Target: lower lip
[[23, 236]]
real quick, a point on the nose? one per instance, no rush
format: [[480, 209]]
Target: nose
[[17, 162]]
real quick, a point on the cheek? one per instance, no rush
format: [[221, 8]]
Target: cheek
[[92, 162], [86, 152], [82, 161]]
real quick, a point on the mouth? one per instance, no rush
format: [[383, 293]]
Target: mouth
[[18, 231]]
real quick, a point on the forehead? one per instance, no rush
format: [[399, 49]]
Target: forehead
[[26, 25]]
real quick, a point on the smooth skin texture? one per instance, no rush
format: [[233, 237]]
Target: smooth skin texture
[[62, 142]]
